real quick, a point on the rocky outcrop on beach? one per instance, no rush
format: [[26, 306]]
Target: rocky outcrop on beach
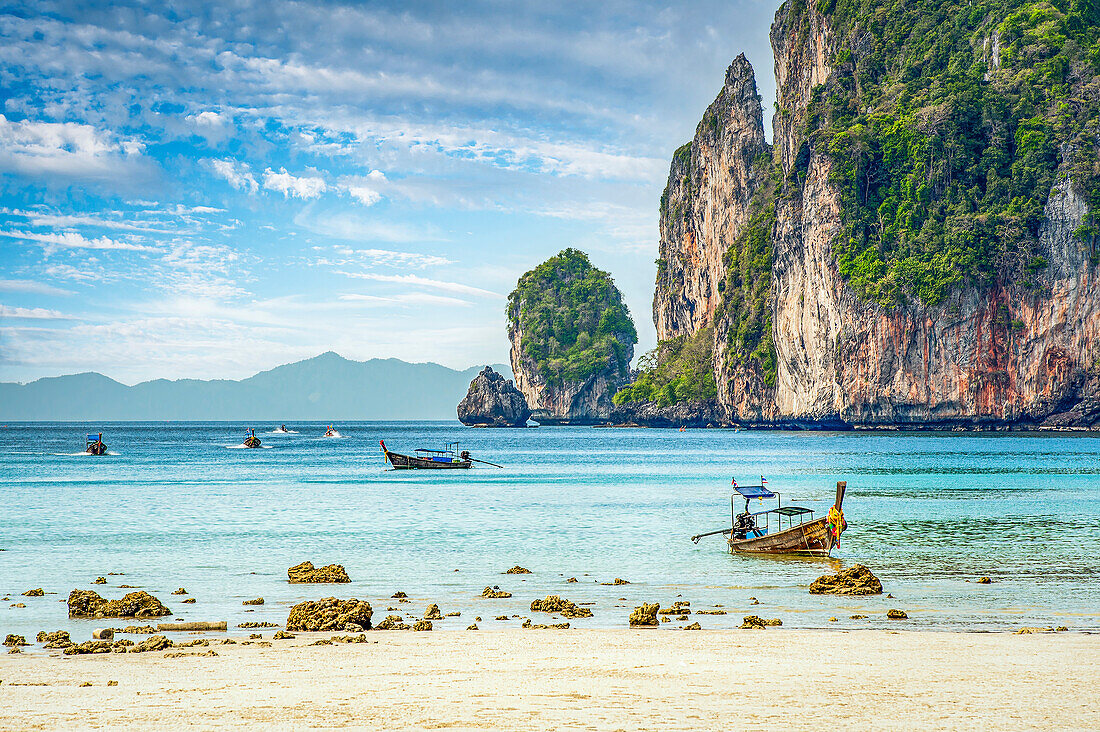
[[645, 616], [495, 593], [517, 570], [856, 580], [306, 573], [88, 604], [572, 340], [815, 323], [433, 612], [329, 614], [493, 401], [14, 641], [37, 592], [556, 604]]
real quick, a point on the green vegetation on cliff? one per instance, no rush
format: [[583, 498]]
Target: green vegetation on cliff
[[677, 370], [572, 319], [948, 122]]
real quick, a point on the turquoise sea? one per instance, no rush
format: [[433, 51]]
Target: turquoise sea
[[178, 505]]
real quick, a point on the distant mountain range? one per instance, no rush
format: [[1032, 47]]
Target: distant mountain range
[[327, 387]]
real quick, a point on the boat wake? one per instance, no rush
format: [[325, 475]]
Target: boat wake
[[334, 435], [282, 432], [243, 446], [82, 454]]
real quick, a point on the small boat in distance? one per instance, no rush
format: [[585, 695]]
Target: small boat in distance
[[282, 429], [93, 445], [250, 439], [331, 432], [753, 533], [448, 458]]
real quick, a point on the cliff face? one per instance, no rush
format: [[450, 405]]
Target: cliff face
[[706, 202], [1014, 350]]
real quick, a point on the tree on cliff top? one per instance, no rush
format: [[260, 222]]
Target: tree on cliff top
[[572, 319]]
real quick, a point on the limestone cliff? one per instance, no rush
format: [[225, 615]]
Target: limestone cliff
[[572, 340], [834, 307]]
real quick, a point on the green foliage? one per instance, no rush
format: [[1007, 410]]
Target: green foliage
[[943, 162], [677, 370], [573, 319]]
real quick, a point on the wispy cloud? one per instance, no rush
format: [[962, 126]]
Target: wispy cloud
[[66, 149], [236, 172], [32, 313], [406, 298], [409, 279], [74, 240], [32, 287]]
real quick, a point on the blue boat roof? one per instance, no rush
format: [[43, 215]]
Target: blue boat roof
[[754, 491]]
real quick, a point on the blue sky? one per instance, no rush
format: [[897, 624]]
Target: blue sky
[[209, 189]]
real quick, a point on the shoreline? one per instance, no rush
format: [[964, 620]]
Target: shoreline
[[593, 679]]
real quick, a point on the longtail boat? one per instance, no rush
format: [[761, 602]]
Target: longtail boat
[[250, 439], [449, 458], [93, 445], [754, 532]]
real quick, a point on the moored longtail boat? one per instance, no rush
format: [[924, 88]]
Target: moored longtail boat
[[754, 533], [94, 445], [447, 459]]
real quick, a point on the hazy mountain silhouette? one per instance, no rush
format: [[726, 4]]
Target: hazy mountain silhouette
[[327, 387]]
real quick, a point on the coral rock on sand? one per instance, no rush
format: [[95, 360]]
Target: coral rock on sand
[[282, 635], [896, 614], [398, 595], [616, 581], [392, 622], [856, 580], [693, 626], [103, 634], [180, 591], [190, 601], [472, 627], [257, 601], [15, 640], [92, 646], [495, 593], [328, 614], [152, 643], [518, 570], [57, 639], [680, 607], [306, 573], [100, 581], [985, 581], [88, 604], [754, 622], [572, 579], [36, 592], [555, 604], [493, 401], [422, 625], [432, 613], [645, 616]]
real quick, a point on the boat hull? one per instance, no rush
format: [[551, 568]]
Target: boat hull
[[809, 538], [411, 462], [96, 448]]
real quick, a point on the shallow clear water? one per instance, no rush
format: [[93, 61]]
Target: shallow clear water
[[176, 506]]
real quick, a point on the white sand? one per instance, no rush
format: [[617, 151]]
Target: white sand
[[577, 679]]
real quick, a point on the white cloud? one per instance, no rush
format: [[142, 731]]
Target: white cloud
[[31, 287], [289, 185], [237, 173], [32, 313], [73, 240], [65, 149], [207, 119], [343, 256], [423, 282]]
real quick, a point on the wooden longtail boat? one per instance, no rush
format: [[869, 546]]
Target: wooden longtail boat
[[94, 445], [250, 439], [753, 533], [446, 459]]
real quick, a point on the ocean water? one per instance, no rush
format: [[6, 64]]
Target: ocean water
[[176, 505]]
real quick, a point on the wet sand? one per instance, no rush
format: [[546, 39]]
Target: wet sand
[[576, 679]]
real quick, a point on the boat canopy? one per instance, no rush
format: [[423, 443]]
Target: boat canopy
[[754, 491], [93, 438]]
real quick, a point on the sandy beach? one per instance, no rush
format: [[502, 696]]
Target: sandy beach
[[575, 679]]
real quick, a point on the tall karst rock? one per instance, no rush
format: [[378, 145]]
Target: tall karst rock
[[919, 244], [572, 340]]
